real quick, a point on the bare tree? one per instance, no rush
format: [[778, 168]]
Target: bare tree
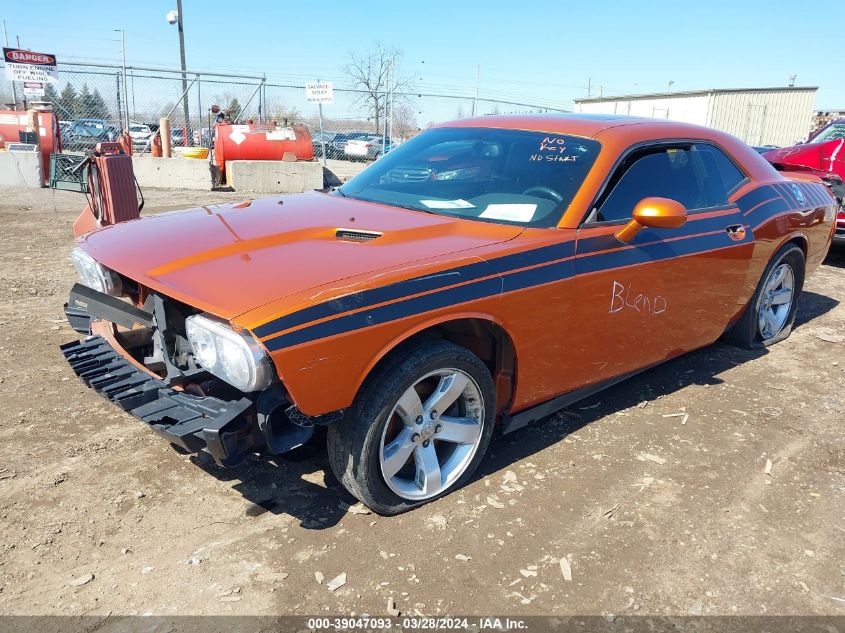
[[375, 73], [278, 111], [404, 121]]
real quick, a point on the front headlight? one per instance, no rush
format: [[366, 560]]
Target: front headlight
[[231, 356], [94, 275]]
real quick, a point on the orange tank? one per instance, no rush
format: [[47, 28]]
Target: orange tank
[[155, 146], [260, 141], [13, 123]]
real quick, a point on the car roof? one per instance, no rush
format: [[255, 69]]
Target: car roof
[[587, 125]]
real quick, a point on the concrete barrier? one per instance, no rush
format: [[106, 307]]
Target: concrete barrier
[[274, 176], [172, 173], [19, 169]]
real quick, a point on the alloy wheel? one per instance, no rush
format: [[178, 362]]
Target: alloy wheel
[[776, 301], [432, 434]]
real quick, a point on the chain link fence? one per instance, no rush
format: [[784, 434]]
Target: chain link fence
[[97, 101]]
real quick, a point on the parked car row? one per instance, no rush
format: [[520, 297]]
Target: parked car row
[[84, 134], [351, 145]]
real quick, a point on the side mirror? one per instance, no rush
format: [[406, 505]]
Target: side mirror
[[655, 213]]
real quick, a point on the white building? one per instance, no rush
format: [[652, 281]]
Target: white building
[[759, 116]]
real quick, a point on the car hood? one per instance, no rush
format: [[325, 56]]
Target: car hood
[[232, 258]]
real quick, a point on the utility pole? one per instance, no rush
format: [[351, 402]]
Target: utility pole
[[184, 73], [477, 76], [391, 87], [14, 88], [23, 96], [124, 114], [792, 80], [386, 100], [589, 87]]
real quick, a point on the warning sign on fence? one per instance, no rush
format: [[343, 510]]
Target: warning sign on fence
[[24, 65], [319, 91]]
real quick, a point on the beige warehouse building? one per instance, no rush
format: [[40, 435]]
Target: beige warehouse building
[[759, 116]]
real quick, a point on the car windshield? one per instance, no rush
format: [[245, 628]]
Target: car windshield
[[484, 174], [835, 132]]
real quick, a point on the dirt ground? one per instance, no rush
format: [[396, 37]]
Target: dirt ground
[[653, 515]]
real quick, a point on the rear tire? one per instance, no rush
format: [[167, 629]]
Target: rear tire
[[393, 450], [770, 314]]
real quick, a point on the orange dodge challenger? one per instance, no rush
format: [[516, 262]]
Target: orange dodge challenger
[[488, 272]]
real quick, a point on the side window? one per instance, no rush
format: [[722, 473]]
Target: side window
[[699, 176], [715, 160]]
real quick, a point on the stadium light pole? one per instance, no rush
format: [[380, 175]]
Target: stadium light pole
[[175, 17]]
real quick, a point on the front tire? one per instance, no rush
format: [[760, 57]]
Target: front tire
[[769, 316], [417, 430]]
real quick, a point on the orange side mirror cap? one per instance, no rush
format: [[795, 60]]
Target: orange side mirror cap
[[656, 213]]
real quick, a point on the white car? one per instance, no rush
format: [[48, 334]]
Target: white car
[[369, 148], [140, 133]]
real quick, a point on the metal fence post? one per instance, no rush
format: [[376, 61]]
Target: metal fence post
[[199, 109]]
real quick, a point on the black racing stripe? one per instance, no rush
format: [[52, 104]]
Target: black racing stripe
[[373, 296], [417, 285], [656, 252], [809, 195], [814, 195], [822, 194], [386, 313], [771, 208], [819, 193], [557, 271], [755, 197], [788, 193], [690, 229], [500, 265]]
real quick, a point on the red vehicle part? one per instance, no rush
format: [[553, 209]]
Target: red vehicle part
[[260, 141], [111, 183], [13, 122], [828, 156]]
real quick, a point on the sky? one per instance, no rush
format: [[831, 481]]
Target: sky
[[536, 51]]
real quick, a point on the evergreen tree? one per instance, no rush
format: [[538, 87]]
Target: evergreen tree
[[83, 103], [99, 107], [68, 103], [92, 105], [51, 95]]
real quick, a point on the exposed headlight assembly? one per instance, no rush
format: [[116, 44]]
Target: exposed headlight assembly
[[231, 356], [94, 275]]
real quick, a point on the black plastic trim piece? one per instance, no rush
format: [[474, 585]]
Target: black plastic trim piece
[[195, 423], [79, 319], [99, 304], [524, 418]]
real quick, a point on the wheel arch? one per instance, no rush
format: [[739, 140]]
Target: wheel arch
[[798, 238], [483, 334]]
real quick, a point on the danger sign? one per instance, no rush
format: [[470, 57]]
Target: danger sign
[[33, 89], [30, 66]]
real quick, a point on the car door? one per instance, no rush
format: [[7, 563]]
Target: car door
[[668, 290]]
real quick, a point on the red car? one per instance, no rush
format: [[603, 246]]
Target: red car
[[823, 155]]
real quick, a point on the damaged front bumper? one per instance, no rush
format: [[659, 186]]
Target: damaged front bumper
[[197, 424], [189, 407]]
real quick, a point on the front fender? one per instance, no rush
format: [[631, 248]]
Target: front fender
[[325, 375]]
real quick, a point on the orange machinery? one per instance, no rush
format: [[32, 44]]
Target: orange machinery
[[45, 125], [107, 178]]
